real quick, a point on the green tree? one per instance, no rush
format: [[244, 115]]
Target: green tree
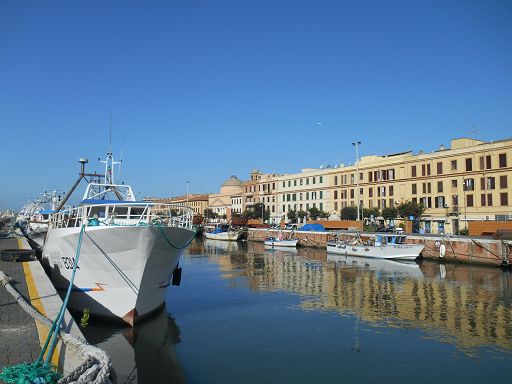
[[313, 212], [368, 212], [324, 215], [389, 213], [410, 208], [302, 214], [292, 216], [348, 213]]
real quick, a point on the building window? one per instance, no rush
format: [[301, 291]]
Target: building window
[[370, 192], [504, 198], [440, 168], [295, 182], [469, 184], [351, 193], [391, 190], [370, 176], [503, 182], [469, 200], [439, 186], [307, 180], [482, 199], [439, 202], [335, 205], [289, 183], [454, 183], [360, 176], [321, 179], [414, 189], [491, 183], [454, 165], [335, 180], [489, 199], [321, 206], [424, 185], [422, 169], [321, 194], [455, 201], [503, 160], [428, 169], [469, 164]]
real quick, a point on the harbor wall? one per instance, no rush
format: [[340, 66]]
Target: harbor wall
[[468, 250]]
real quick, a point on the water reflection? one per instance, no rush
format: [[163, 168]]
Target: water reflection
[[144, 354], [467, 306]]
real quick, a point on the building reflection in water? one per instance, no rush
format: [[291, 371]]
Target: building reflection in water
[[465, 305]]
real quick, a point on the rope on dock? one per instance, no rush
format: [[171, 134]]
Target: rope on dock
[[97, 367]]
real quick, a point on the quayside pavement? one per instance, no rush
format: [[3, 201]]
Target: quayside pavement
[[22, 337]]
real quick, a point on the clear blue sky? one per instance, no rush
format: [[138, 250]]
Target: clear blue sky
[[201, 90]]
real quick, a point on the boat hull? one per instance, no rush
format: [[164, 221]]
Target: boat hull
[[122, 272], [226, 236], [389, 251]]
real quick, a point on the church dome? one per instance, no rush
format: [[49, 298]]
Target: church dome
[[232, 182], [233, 185]]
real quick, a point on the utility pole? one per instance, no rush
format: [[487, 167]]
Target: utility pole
[[356, 144]]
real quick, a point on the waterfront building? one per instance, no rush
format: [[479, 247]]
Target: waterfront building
[[229, 199], [305, 190], [469, 180]]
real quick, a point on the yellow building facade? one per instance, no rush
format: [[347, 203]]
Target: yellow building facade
[[469, 180]]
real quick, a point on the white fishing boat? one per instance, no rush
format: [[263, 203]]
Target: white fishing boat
[[224, 233], [129, 249], [381, 246], [33, 218]]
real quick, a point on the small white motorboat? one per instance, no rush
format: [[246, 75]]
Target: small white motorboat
[[381, 246], [224, 233]]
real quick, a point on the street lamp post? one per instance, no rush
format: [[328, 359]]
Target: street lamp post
[[356, 144]]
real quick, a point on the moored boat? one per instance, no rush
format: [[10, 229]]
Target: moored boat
[[381, 246], [224, 233], [129, 250], [281, 241]]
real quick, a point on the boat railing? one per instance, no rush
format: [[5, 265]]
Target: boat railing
[[124, 214]]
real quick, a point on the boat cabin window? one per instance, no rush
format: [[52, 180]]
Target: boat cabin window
[[136, 212], [98, 211], [120, 212]]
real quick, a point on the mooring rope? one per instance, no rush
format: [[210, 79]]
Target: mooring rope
[[97, 366], [44, 372], [169, 241]]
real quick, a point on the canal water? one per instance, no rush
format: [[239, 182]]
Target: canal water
[[248, 314]]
